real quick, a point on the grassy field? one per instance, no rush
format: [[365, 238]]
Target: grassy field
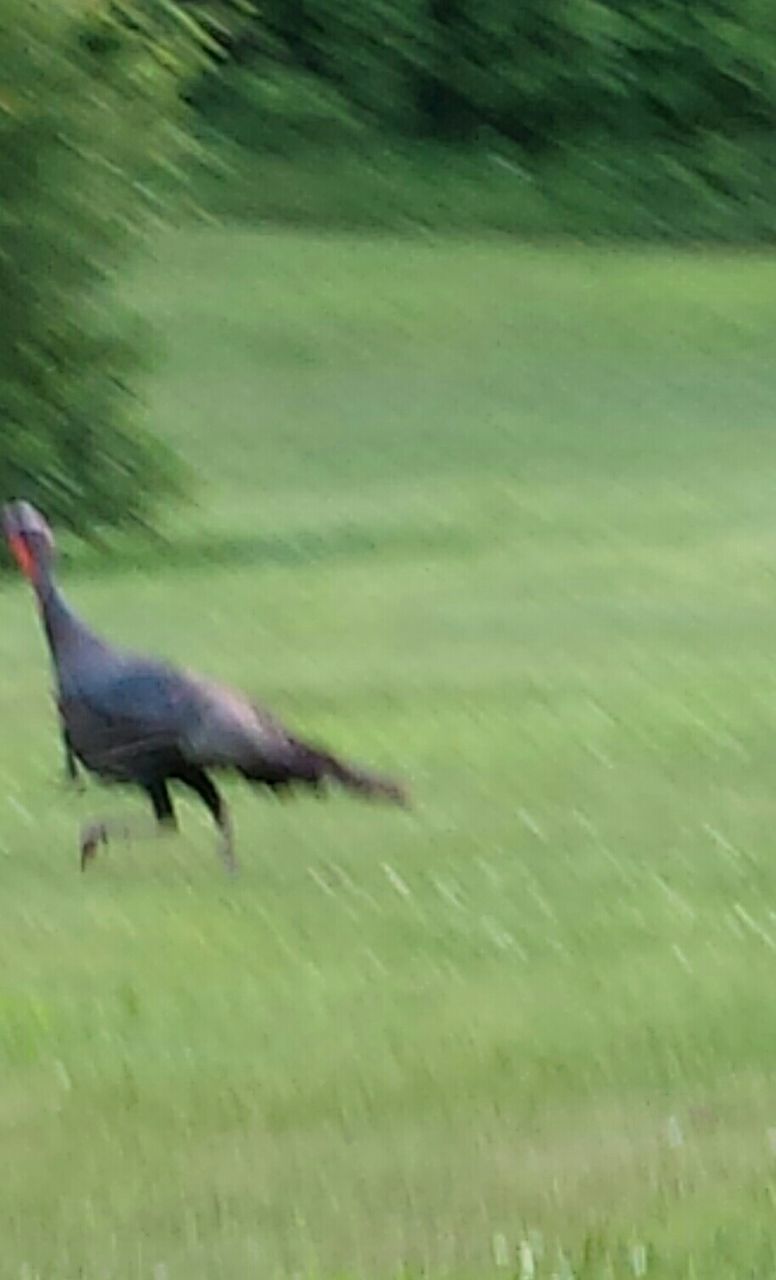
[[503, 522]]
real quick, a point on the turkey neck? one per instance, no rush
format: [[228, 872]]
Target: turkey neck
[[68, 637]]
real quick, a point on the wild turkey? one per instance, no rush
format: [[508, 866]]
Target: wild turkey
[[137, 720]]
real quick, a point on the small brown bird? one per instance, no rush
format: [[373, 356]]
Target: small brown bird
[[137, 720]]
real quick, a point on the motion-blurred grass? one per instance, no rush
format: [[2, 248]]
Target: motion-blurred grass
[[722, 190], [500, 521]]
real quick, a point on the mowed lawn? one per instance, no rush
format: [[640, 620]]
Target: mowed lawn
[[501, 521]]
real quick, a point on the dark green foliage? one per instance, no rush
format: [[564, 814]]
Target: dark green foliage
[[600, 192], [540, 72], [89, 134], [679, 98]]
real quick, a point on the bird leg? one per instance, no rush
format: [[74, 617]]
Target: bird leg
[[73, 775], [102, 830], [196, 778], [225, 846]]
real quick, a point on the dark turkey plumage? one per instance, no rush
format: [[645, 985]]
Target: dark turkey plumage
[[137, 720]]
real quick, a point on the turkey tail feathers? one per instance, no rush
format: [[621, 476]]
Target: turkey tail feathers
[[362, 781]]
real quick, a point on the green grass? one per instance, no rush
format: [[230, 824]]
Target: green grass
[[500, 521]]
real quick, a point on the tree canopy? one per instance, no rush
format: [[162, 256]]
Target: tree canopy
[[90, 132]]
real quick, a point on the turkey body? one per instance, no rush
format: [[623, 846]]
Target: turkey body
[[141, 721], [136, 720]]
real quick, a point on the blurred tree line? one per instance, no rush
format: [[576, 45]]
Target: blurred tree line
[[91, 131], [544, 74], [651, 117], [595, 118]]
